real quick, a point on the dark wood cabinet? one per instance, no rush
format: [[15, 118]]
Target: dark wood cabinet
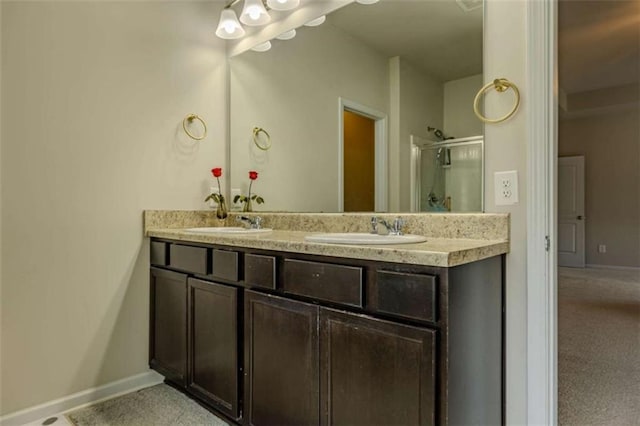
[[168, 325], [213, 345], [375, 372], [294, 339], [281, 361]]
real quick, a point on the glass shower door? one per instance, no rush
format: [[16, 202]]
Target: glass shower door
[[448, 176]]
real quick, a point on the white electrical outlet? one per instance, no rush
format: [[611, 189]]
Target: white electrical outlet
[[238, 205], [602, 248], [506, 188]]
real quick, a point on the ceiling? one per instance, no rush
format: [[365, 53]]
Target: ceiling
[[598, 44], [435, 35]]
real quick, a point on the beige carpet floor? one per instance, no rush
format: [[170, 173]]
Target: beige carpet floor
[[599, 347], [159, 405]]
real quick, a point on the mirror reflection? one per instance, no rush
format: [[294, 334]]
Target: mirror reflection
[[350, 104], [448, 175]]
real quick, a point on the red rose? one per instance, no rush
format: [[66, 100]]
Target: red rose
[[253, 175], [217, 172]]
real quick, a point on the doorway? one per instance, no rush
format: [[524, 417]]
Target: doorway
[[362, 164], [571, 229], [598, 172], [359, 163]]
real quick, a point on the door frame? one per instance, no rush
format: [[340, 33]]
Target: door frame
[[381, 151], [542, 218]]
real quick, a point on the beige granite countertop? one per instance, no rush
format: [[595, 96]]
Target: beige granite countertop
[[445, 252]]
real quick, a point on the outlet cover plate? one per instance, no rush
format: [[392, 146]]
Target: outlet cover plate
[[506, 188]]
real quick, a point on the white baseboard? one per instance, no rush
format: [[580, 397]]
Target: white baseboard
[[624, 268], [86, 397]]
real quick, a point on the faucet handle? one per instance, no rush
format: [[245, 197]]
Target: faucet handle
[[257, 223], [398, 223], [254, 223], [374, 225]]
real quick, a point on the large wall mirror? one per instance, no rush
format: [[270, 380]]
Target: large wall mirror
[[372, 110]]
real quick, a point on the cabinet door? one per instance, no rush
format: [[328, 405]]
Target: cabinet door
[[213, 345], [168, 325], [281, 361], [375, 372]]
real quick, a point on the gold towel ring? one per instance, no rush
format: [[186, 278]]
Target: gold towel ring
[[189, 118], [256, 138], [501, 85]]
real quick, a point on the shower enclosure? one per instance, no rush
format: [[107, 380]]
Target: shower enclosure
[[447, 176]]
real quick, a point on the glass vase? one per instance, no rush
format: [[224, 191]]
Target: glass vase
[[221, 211], [248, 207]]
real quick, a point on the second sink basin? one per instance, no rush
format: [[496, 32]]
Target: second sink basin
[[364, 238], [228, 230]]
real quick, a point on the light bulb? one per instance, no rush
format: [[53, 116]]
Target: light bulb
[[316, 22], [283, 4], [254, 13], [229, 27], [263, 47], [288, 35]]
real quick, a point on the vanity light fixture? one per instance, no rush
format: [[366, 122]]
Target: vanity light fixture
[[262, 47], [367, 1], [254, 13], [316, 22], [283, 4], [288, 35]]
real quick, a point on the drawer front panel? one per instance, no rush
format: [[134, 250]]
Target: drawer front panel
[[411, 296], [224, 264], [187, 258], [260, 271], [324, 281], [158, 253]]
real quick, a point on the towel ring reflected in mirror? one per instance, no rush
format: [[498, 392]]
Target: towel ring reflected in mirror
[[263, 144], [500, 85], [189, 119]]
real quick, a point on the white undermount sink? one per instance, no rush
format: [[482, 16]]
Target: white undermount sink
[[364, 238], [228, 230]]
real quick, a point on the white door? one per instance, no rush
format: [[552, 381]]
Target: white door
[[571, 233]]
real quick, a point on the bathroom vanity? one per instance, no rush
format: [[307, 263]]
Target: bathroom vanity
[[271, 329]]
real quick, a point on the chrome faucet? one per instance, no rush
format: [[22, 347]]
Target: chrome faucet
[[253, 222], [392, 229]]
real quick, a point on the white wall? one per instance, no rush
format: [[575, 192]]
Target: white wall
[[459, 118], [282, 91], [505, 145], [610, 144], [421, 98], [93, 96]]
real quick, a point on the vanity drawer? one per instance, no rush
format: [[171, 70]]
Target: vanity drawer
[[406, 295], [224, 264], [158, 253], [260, 271], [324, 281], [188, 258]]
